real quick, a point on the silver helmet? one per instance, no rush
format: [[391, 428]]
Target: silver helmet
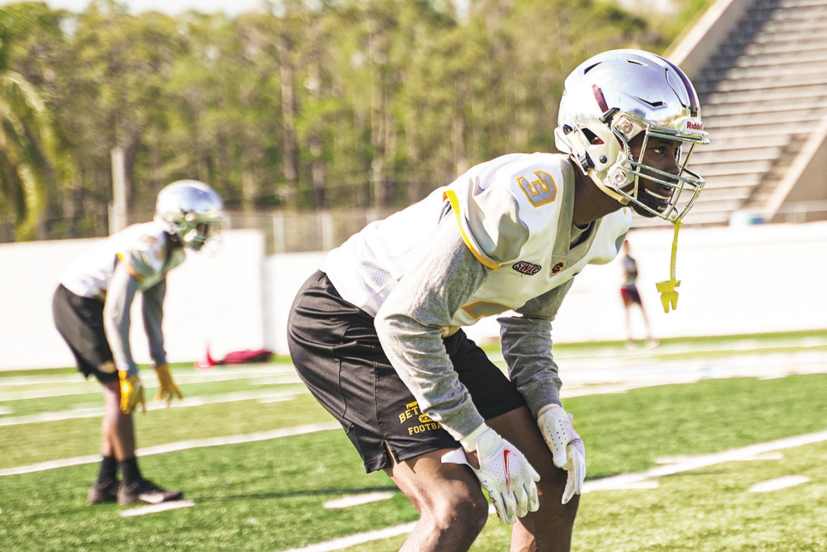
[[610, 99], [191, 211]]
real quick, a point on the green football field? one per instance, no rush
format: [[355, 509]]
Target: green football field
[[258, 459]]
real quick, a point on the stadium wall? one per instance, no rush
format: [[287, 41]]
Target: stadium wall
[[209, 299], [734, 280]]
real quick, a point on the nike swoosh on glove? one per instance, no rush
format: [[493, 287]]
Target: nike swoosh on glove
[[167, 390], [132, 393], [504, 472], [566, 447]]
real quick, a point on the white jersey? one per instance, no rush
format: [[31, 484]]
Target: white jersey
[[145, 249], [514, 213], [499, 238]]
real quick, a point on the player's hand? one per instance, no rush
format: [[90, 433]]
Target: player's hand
[[167, 390], [566, 447], [505, 473], [132, 393]]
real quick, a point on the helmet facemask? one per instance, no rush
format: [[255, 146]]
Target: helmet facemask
[[624, 176]]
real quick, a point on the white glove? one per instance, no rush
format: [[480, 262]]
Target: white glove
[[566, 447], [504, 472]]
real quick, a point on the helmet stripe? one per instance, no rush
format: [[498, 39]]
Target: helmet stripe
[[601, 101], [694, 104]]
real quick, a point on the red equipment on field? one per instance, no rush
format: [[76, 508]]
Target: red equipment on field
[[247, 356]]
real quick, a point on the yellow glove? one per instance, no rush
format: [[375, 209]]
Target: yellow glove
[[132, 393], [167, 390]]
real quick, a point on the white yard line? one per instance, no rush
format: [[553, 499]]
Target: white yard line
[[348, 501], [642, 480], [186, 402], [274, 376], [779, 483], [359, 538], [179, 446], [741, 454], [155, 508]]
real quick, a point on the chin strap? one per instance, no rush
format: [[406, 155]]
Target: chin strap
[[605, 189], [668, 293]]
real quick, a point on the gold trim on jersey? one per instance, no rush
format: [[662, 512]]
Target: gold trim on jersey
[[132, 272], [452, 197]]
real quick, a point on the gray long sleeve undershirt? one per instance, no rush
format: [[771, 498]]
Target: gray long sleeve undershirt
[[422, 304], [116, 318], [153, 311]]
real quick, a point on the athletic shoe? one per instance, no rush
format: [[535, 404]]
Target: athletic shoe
[[101, 493], [145, 490], [651, 343]]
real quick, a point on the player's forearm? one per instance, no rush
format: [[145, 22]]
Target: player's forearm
[[411, 320], [153, 300], [527, 349], [419, 357], [116, 318]]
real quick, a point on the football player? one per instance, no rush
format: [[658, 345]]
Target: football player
[[376, 335], [631, 296], [91, 310]]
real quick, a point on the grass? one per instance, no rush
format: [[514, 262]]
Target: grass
[[269, 495]]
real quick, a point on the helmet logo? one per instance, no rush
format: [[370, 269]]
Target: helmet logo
[[558, 267], [692, 125]]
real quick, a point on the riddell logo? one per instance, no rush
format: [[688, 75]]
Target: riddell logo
[[691, 125], [526, 268]]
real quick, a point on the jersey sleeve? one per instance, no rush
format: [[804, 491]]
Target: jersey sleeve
[[145, 257], [501, 204], [489, 222]]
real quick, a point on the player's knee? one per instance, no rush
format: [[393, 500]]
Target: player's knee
[[467, 509]]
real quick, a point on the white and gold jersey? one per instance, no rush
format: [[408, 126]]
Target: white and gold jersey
[[497, 239], [143, 247], [515, 215]]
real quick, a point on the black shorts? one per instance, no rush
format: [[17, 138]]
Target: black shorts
[[630, 295], [337, 353], [80, 321]]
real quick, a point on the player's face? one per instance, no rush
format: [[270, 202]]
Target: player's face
[[660, 154]]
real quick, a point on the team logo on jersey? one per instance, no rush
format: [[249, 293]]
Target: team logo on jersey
[[526, 268], [558, 267]]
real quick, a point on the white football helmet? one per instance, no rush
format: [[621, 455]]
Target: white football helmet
[[191, 211], [611, 98]]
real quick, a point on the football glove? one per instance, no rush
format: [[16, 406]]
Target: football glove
[[167, 390], [566, 447], [132, 393], [504, 472]]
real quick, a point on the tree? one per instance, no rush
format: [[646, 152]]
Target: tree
[[29, 149]]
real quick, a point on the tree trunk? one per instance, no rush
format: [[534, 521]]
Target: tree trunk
[[288, 113]]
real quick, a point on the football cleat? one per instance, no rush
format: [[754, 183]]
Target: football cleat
[[103, 492], [146, 491]]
